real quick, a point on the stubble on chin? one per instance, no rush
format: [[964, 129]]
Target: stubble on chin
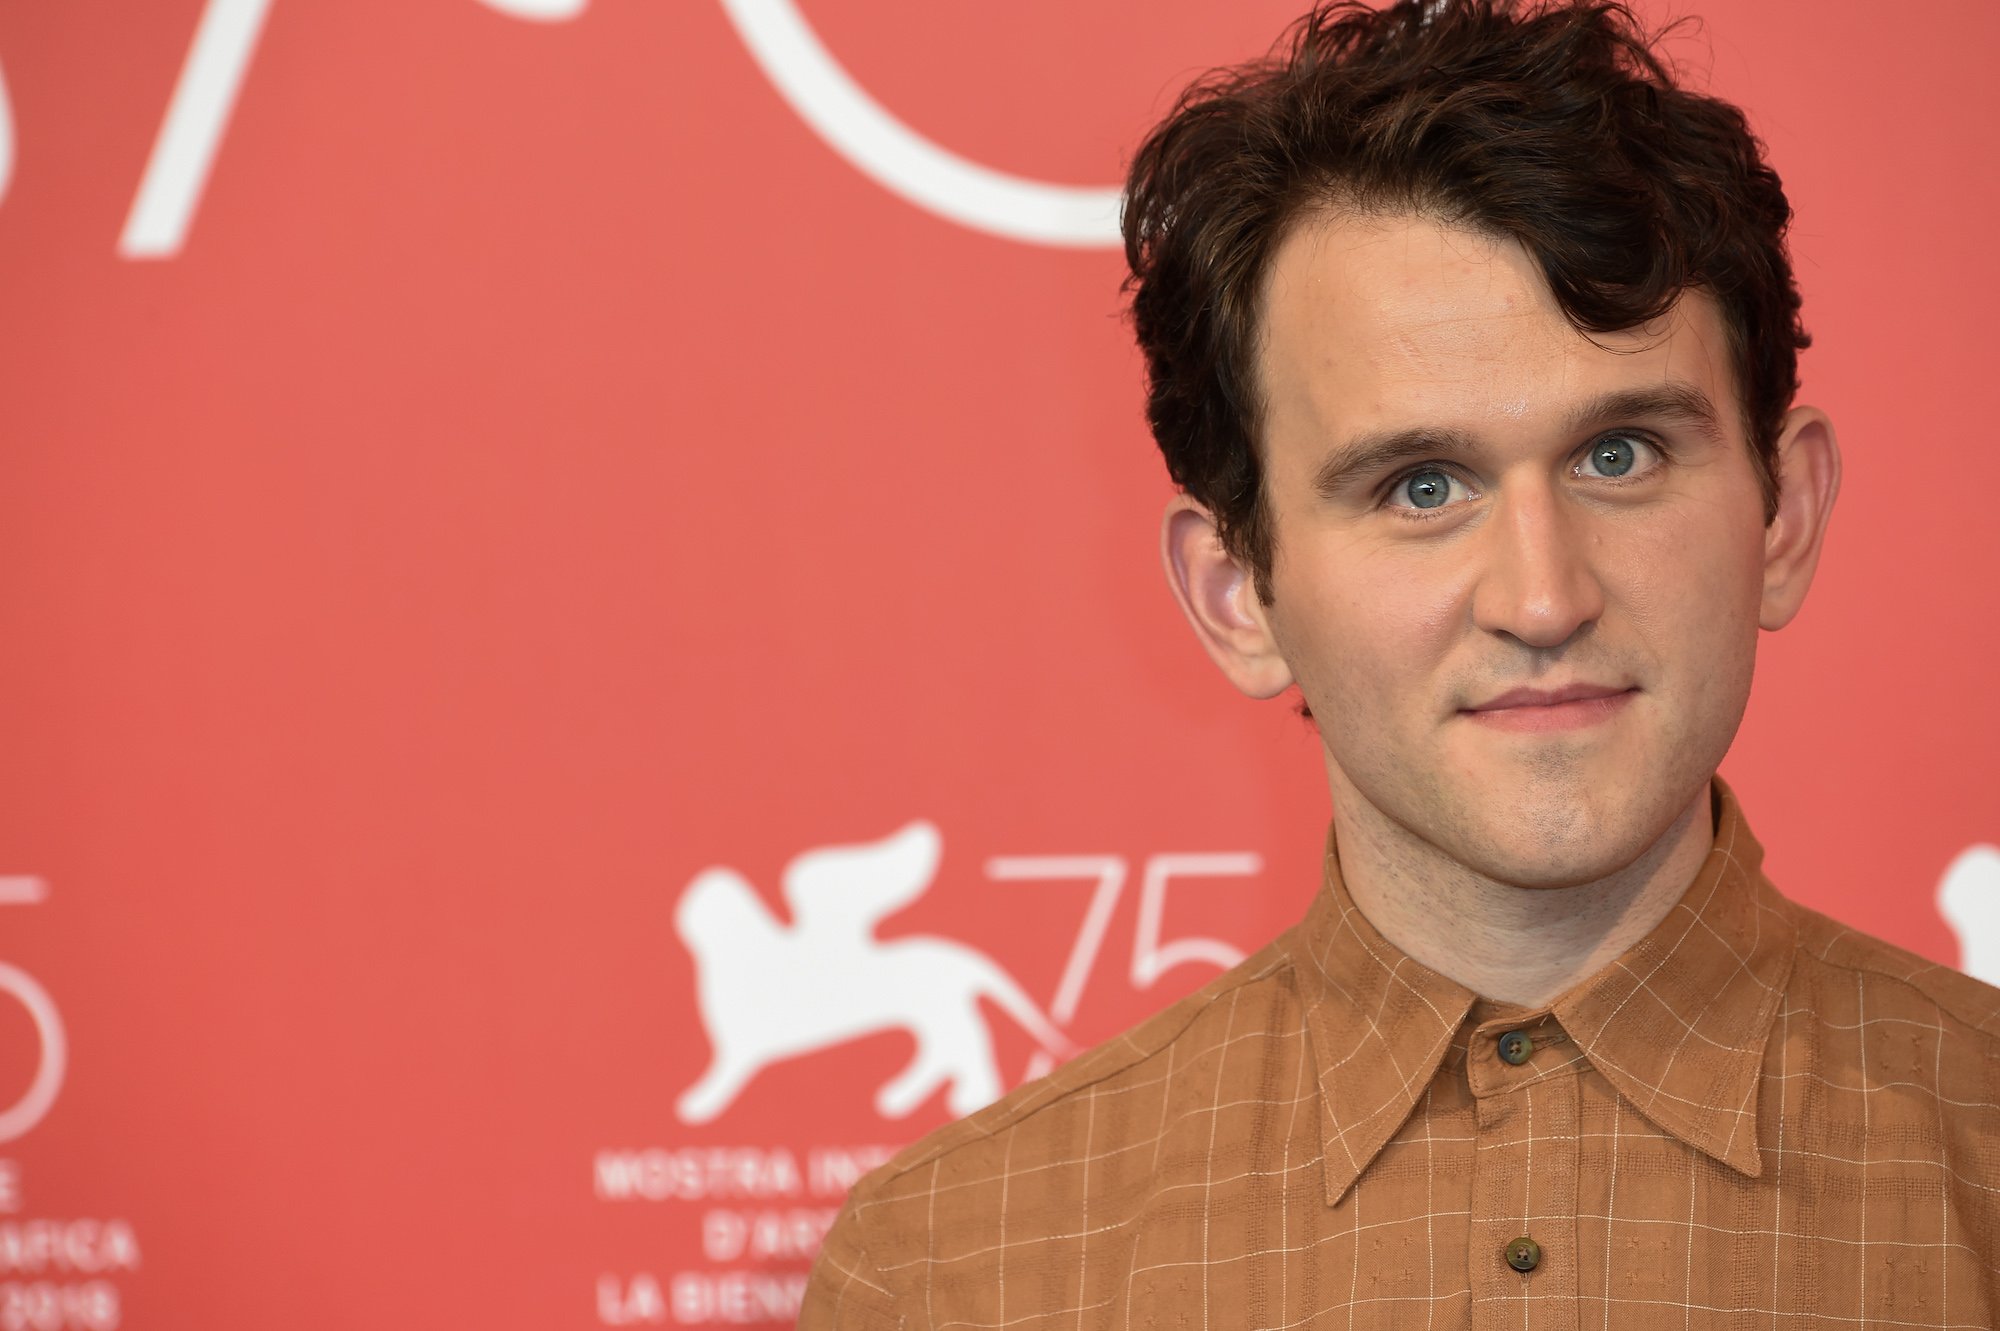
[[1556, 820]]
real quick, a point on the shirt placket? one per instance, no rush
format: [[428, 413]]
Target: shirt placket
[[1523, 1237]]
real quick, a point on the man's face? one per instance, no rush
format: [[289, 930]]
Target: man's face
[[1480, 512]]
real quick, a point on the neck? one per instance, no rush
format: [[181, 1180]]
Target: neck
[[1523, 945]]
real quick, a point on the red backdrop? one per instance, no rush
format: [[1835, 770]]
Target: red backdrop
[[473, 467]]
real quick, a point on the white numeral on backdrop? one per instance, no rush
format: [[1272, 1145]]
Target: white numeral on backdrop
[[1109, 871], [6, 136], [781, 43], [192, 129], [26, 1112], [901, 160], [1151, 958]]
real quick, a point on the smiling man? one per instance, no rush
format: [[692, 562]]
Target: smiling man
[[1472, 342]]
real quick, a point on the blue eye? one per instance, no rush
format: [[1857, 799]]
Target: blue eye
[[1429, 488], [1615, 454]]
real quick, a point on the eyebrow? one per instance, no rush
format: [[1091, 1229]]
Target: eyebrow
[[1379, 450]]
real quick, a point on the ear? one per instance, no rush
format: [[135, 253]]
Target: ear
[[1808, 481], [1219, 597]]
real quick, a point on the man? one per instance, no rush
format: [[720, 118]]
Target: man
[[1472, 343]]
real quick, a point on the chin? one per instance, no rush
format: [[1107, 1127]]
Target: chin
[[1561, 840], [1574, 866], [1549, 814]]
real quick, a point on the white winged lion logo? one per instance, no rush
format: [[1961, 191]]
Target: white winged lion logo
[[769, 992]]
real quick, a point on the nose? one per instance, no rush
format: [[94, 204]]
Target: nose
[[1537, 583]]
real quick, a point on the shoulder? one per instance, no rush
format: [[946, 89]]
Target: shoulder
[[1887, 1065], [1099, 1112], [1874, 980], [1905, 1047], [1086, 1140], [1246, 997]]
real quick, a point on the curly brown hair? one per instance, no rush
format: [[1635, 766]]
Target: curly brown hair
[[1553, 123]]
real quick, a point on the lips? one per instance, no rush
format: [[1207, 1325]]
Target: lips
[[1548, 697], [1569, 707]]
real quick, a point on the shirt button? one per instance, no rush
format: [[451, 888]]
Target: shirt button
[[1515, 1047], [1524, 1255]]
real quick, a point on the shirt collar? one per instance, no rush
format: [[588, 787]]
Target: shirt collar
[[1677, 1023]]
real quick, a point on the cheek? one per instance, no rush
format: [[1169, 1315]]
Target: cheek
[[1374, 631], [1691, 592]]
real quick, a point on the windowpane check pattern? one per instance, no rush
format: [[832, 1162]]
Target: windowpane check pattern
[[1753, 1118]]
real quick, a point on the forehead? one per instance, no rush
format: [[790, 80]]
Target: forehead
[[1373, 321]]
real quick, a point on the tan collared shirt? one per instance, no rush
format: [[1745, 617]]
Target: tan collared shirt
[[1753, 1118]]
